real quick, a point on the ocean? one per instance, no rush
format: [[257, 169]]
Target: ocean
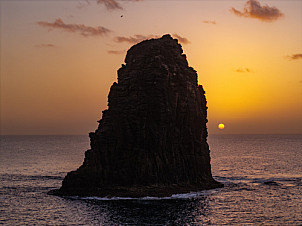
[[262, 176]]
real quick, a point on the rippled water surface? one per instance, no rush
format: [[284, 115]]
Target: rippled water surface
[[262, 176]]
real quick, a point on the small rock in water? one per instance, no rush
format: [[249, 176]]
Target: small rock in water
[[271, 183]]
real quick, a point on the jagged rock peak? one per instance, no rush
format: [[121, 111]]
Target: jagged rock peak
[[164, 46], [152, 139]]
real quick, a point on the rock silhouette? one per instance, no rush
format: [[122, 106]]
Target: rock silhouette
[[152, 139]]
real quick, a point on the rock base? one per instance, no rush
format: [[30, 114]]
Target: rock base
[[137, 191]]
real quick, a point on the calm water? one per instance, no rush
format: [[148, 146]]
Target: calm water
[[262, 176]]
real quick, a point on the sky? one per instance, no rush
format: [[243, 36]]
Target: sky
[[58, 60]]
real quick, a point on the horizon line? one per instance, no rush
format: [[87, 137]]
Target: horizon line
[[208, 134]]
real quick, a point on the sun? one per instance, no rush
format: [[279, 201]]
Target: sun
[[221, 126]]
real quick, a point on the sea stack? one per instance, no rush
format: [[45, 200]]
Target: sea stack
[[152, 139]]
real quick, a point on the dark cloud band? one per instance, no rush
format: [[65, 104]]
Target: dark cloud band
[[45, 46], [110, 4], [295, 56], [253, 9], [243, 70], [209, 22], [116, 52], [113, 4], [75, 28]]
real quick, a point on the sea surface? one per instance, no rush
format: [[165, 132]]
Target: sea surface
[[262, 176]]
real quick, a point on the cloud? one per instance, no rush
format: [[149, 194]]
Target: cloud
[[182, 40], [243, 70], [116, 52], [45, 46], [138, 38], [113, 4], [110, 4], [209, 22], [83, 4], [75, 28], [295, 56], [134, 39], [253, 9]]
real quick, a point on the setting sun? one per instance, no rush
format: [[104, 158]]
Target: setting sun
[[221, 126]]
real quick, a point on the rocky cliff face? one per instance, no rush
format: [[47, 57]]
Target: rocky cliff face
[[152, 140]]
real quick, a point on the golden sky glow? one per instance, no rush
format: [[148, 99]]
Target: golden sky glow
[[59, 59]]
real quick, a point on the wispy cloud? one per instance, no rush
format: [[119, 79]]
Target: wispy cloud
[[113, 4], [83, 4], [75, 28], [243, 70], [45, 46], [138, 38], [182, 40], [253, 9], [116, 52], [134, 39], [110, 4], [209, 22], [295, 56]]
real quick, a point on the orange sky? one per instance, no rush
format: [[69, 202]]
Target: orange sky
[[59, 59]]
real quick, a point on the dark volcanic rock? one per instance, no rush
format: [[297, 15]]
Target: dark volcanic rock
[[152, 140]]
